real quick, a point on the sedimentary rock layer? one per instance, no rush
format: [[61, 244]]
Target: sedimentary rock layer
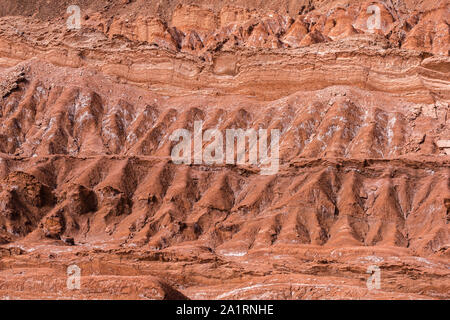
[[87, 176]]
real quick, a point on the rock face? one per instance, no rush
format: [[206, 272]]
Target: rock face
[[87, 177]]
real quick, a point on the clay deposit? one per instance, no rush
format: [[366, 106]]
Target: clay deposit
[[87, 176]]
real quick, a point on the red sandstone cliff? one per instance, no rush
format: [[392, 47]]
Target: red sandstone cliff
[[85, 120]]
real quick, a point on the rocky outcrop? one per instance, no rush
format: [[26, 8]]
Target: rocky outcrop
[[87, 177]]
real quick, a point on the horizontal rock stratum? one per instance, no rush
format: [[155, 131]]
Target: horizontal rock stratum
[[87, 177]]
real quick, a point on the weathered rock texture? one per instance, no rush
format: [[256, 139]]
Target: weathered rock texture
[[87, 178]]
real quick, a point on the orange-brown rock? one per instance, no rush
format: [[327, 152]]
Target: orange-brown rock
[[87, 179]]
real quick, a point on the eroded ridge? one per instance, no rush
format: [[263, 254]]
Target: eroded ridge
[[87, 178]]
